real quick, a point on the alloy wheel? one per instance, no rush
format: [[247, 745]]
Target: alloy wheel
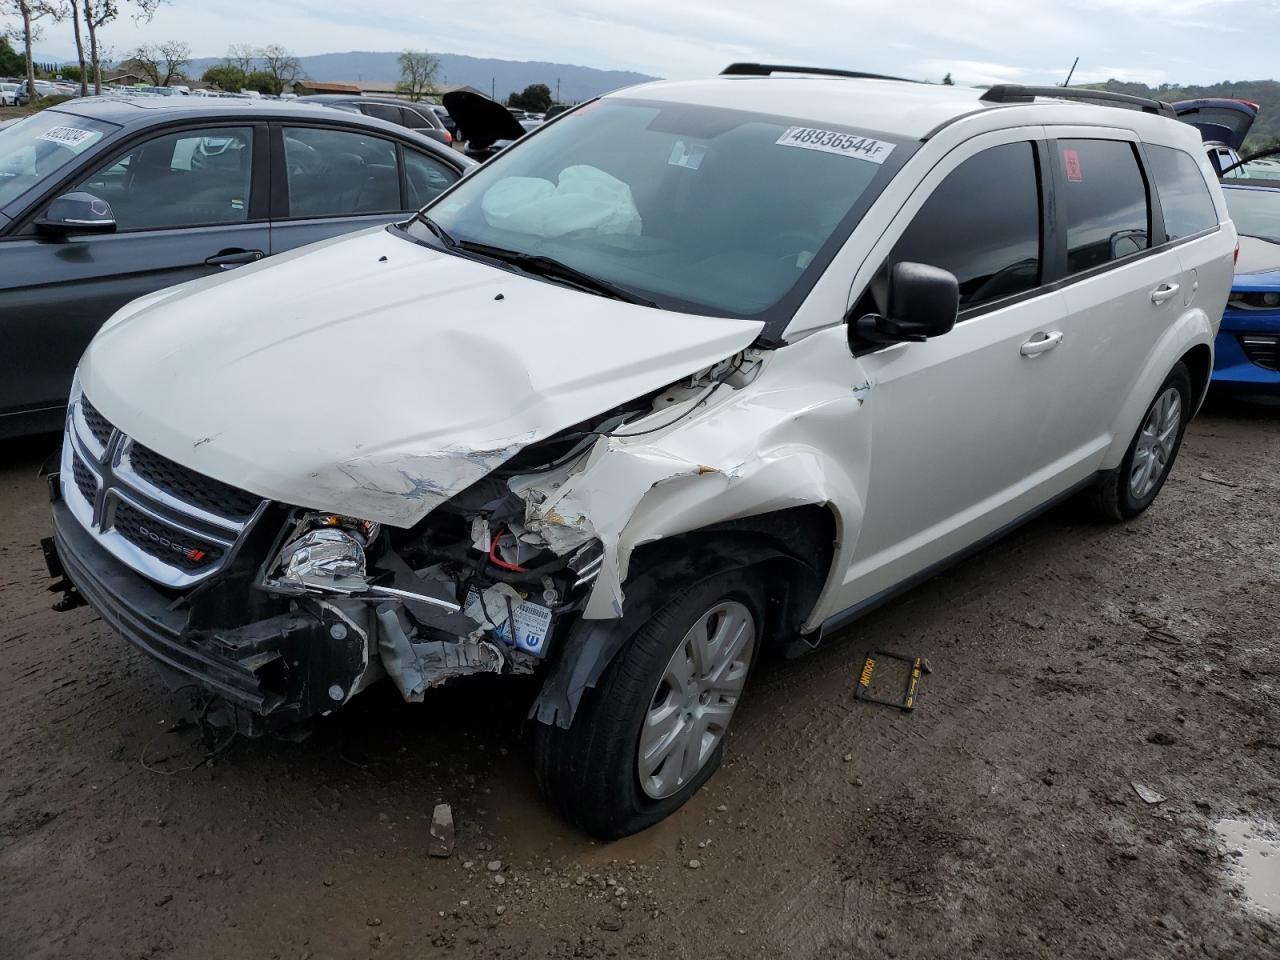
[[695, 699], [1156, 441]]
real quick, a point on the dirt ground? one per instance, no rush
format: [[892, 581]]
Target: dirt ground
[[997, 820]]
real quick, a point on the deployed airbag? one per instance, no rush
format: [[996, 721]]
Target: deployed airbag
[[585, 198]]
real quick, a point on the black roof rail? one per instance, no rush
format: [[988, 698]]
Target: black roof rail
[[769, 69], [1016, 93]]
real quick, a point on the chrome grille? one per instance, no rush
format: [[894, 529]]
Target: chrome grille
[[166, 521], [177, 481], [95, 421], [86, 482]]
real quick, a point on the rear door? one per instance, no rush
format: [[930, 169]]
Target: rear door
[[329, 181], [1122, 283], [187, 204]]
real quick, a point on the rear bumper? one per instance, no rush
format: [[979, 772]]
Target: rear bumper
[[262, 676]]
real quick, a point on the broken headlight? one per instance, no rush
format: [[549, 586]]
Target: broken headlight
[[327, 552]]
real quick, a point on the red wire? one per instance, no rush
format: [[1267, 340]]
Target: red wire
[[498, 561]]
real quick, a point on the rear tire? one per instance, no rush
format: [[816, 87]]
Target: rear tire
[[1127, 491], [618, 769]]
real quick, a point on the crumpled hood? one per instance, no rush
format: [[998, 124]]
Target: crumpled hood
[[374, 377]]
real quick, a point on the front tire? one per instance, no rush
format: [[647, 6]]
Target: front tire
[[1130, 489], [652, 732]]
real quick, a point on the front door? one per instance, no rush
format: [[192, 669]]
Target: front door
[[958, 422], [182, 204]]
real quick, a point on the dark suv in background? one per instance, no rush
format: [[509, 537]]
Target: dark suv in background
[[415, 116]]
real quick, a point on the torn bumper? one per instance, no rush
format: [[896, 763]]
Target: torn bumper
[[265, 676]]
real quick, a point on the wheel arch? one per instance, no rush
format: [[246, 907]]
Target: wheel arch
[[1190, 336], [795, 547]]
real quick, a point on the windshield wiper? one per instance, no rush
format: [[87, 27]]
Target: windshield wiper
[[553, 269], [441, 233]]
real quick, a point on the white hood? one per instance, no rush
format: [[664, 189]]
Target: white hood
[[374, 377]]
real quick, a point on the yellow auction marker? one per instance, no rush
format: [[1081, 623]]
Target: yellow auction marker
[[919, 667]]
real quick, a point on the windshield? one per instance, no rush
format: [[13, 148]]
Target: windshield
[[1256, 212], [691, 207], [39, 146]]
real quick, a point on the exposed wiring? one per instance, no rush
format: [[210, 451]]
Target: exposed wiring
[[497, 561]]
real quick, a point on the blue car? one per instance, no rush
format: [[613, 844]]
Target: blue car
[[1247, 361]]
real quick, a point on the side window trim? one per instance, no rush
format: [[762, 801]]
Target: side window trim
[[1155, 212]]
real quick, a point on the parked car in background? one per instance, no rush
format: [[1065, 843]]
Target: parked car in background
[[485, 125], [442, 114], [415, 116], [8, 94], [106, 199], [1223, 124], [1247, 354], [43, 89], [709, 367]]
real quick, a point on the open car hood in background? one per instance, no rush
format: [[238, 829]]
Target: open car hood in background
[[481, 121], [1218, 119]]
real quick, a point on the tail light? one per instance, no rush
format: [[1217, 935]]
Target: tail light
[[448, 142]]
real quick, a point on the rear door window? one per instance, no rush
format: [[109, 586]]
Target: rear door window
[[340, 173], [983, 224], [1102, 197], [1184, 195]]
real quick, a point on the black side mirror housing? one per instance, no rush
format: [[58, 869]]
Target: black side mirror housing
[[78, 212], [924, 302]]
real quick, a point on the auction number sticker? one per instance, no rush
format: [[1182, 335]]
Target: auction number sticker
[[67, 136], [833, 141]]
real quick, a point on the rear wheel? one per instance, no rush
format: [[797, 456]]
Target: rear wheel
[[1130, 489], [653, 730]]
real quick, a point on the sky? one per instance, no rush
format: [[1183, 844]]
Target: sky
[[977, 41]]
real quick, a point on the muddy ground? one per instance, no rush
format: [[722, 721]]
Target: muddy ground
[[998, 820]]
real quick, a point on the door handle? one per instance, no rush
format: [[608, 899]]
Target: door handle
[[226, 259], [1041, 343], [1166, 291]]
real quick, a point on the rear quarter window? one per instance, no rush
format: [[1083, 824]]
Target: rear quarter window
[[1184, 195]]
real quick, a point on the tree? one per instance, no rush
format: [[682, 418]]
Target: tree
[[536, 98], [947, 81], [161, 63], [30, 11], [283, 66], [99, 13], [71, 73], [418, 71], [82, 74], [226, 77], [262, 81], [11, 62], [241, 55]]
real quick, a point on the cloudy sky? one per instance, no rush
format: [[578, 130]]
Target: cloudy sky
[[978, 41]]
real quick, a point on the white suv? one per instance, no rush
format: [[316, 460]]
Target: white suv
[[694, 370]]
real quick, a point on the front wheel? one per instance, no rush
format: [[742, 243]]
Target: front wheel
[[1127, 491], [652, 732]]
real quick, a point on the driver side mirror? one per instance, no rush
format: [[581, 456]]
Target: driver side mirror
[[923, 302], [78, 212]]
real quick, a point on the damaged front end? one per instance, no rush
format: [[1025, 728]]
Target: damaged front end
[[281, 613]]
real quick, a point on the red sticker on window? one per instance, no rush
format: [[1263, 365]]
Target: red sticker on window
[[1072, 160]]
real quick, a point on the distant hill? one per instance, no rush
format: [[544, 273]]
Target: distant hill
[[499, 76], [1265, 93]]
